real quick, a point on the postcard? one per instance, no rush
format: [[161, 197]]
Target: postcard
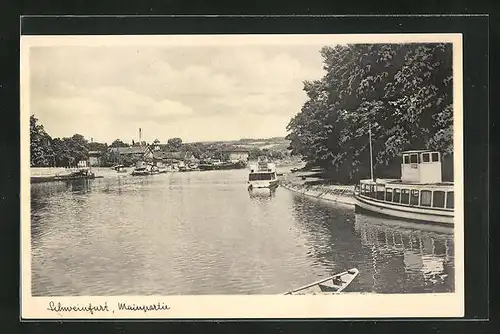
[[242, 176]]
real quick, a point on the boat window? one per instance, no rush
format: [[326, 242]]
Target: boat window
[[435, 156], [406, 159], [438, 199], [405, 196], [372, 191], [414, 158], [425, 197], [260, 177], [425, 157], [450, 199], [388, 194], [414, 197], [397, 196], [380, 194]]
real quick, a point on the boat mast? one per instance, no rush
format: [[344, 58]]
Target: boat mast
[[371, 150]]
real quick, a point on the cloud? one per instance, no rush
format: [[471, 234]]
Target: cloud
[[121, 87]]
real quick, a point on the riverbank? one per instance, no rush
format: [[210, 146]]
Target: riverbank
[[309, 184], [52, 174]]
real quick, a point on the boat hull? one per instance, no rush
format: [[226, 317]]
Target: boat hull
[[411, 213], [328, 286], [263, 184], [224, 166], [141, 173]]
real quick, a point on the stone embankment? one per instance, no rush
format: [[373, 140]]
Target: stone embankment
[[334, 193]]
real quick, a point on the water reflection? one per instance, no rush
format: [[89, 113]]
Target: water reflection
[[392, 256], [80, 186], [329, 230], [427, 251], [261, 194]]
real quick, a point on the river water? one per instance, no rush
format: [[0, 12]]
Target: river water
[[204, 233]]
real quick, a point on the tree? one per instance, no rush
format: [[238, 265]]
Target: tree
[[95, 146], [254, 153], [118, 143], [69, 151], [41, 152], [79, 147], [403, 91], [197, 149], [62, 152], [174, 144]]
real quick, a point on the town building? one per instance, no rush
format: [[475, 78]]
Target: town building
[[133, 153], [236, 154], [163, 158]]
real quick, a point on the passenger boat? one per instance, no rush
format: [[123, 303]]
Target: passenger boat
[[262, 175], [420, 194], [328, 286]]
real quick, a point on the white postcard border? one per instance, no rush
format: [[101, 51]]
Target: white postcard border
[[349, 305]]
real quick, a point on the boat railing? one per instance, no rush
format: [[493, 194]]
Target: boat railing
[[415, 195]]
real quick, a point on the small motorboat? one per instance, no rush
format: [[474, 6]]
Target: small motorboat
[[141, 172], [327, 286], [120, 169]]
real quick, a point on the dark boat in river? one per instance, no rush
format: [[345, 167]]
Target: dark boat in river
[[83, 173], [222, 166], [142, 168]]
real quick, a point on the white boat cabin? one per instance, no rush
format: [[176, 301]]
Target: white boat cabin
[[421, 166], [262, 171]]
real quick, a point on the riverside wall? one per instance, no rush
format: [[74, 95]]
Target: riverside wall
[[333, 193]]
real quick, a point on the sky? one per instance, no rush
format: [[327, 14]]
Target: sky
[[197, 93]]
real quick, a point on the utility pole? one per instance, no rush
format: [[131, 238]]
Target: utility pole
[[371, 150]]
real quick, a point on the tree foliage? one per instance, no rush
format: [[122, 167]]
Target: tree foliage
[[403, 91], [95, 146], [174, 144], [41, 152], [118, 143], [57, 152]]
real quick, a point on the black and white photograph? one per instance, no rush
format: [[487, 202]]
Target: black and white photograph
[[214, 176]]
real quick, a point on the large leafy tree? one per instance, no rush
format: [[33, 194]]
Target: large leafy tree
[[41, 152], [402, 91], [69, 150], [79, 147], [118, 143], [174, 144], [95, 146]]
